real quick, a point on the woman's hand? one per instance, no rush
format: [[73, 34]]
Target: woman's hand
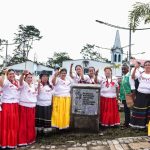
[[39, 81], [5, 70], [56, 73], [96, 72], [25, 72]]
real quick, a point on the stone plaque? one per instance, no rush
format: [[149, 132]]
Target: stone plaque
[[85, 101], [85, 106]]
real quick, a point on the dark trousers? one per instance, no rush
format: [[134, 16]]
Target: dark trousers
[[127, 113]]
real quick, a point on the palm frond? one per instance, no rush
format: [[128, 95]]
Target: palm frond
[[140, 11], [147, 20]]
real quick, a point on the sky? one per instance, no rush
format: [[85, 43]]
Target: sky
[[68, 25]]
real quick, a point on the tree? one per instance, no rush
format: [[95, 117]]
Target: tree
[[24, 40], [140, 11], [2, 43], [15, 59], [88, 52], [58, 58]]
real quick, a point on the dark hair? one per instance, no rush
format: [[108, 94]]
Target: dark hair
[[63, 70], [108, 68], [78, 66], [9, 70], [44, 72], [138, 62], [148, 61], [27, 75], [92, 68]]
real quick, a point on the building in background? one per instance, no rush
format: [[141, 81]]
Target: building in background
[[31, 66], [115, 64]]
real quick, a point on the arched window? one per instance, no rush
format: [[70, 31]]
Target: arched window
[[115, 58], [119, 58]]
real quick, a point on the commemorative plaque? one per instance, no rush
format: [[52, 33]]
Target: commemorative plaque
[[85, 107]]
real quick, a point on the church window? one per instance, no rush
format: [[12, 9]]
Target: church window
[[119, 58], [115, 58]]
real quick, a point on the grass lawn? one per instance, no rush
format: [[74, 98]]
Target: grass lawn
[[109, 133]]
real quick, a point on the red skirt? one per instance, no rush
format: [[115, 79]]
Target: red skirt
[[9, 125], [109, 114], [27, 133]]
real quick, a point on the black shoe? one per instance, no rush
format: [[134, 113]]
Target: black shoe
[[124, 127]]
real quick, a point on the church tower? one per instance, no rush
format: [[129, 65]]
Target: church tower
[[116, 50], [117, 55]]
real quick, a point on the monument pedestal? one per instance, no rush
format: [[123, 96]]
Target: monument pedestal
[[85, 107]]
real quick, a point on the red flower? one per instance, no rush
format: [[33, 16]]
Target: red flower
[[112, 83], [107, 84]]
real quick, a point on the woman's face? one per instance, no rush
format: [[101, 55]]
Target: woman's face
[[147, 66], [107, 72], [78, 70], [11, 75], [44, 79], [63, 74], [91, 72], [29, 79]]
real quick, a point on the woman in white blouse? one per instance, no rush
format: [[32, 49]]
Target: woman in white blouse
[[78, 76], [61, 100], [90, 78], [109, 114], [44, 101], [10, 117], [141, 109], [27, 103]]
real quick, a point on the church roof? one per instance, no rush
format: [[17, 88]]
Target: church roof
[[117, 43]]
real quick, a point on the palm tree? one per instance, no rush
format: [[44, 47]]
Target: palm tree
[[140, 12]]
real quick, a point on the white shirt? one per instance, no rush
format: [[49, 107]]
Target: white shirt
[[89, 80], [144, 83], [11, 92], [17, 77], [138, 71], [76, 78], [45, 95], [108, 89], [62, 87], [28, 96]]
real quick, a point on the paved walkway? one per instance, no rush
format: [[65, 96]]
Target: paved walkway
[[129, 143]]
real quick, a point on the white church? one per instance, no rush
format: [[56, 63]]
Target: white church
[[115, 64]]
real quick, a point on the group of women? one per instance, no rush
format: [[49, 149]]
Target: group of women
[[19, 100], [26, 104]]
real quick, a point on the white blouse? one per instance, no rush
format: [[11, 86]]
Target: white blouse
[[89, 80], [62, 87], [144, 83], [76, 78], [108, 87], [11, 93], [28, 96], [45, 95]]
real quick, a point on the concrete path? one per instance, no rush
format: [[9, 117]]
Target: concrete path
[[128, 143]]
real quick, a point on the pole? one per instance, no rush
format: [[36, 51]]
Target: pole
[[129, 45]]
